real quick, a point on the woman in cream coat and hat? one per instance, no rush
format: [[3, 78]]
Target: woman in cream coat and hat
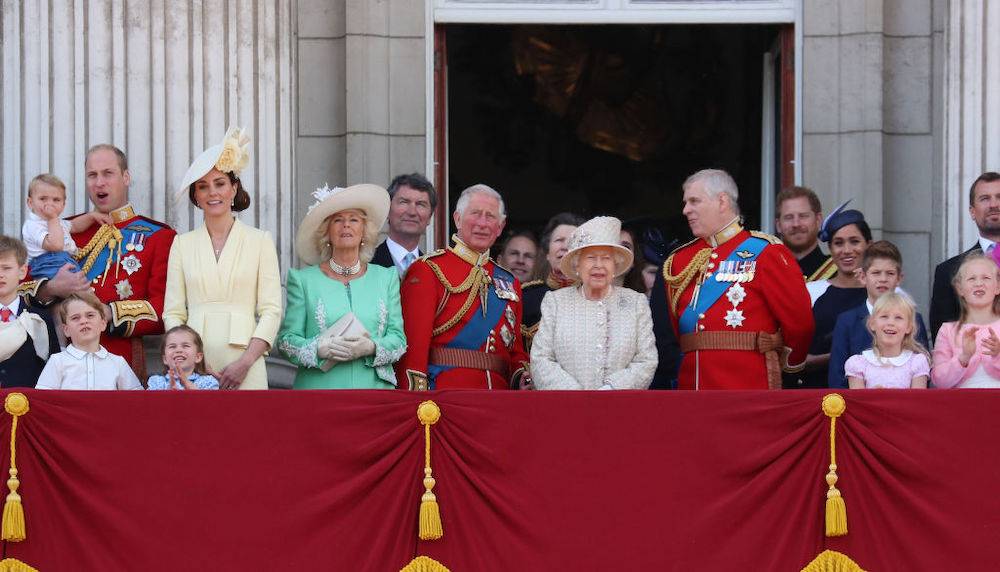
[[344, 324], [594, 335], [223, 278]]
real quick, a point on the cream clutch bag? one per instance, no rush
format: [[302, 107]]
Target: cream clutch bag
[[347, 325]]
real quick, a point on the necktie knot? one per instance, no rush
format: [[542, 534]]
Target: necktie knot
[[408, 260], [5, 314]]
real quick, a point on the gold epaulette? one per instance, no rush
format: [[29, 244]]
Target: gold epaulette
[[432, 254], [532, 284], [29, 288], [768, 237]]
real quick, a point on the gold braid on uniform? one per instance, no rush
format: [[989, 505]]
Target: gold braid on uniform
[[475, 284], [107, 236], [679, 282]]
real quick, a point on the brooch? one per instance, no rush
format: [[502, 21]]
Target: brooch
[[131, 264]]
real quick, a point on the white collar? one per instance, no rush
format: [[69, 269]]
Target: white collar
[[399, 251], [14, 306], [871, 307], [33, 216], [985, 244], [80, 354], [899, 360]]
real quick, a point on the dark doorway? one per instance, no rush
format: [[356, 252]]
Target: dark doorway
[[604, 119]]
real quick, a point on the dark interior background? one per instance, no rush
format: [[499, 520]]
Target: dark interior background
[[604, 119]]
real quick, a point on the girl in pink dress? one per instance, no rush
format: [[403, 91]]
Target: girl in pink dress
[[896, 360], [965, 352]]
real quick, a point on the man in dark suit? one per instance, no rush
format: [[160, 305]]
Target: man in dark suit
[[27, 335], [413, 201], [984, 207]]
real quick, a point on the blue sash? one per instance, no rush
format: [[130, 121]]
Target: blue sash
[[137, 232], [712, 289], [478, 328]]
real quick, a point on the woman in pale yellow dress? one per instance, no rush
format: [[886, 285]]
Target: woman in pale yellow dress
[[223, 278]]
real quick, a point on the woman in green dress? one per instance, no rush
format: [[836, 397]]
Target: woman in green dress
[[343, 325]]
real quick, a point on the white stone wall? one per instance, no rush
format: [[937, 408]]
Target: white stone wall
[[362, 93], [872, 116], [160, 79], [971, 46]]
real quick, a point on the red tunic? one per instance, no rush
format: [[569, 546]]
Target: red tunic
[[422, 293], [775, 299], [132, 281]]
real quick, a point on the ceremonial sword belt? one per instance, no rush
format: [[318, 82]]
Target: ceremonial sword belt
[[762, 342], [471, 359]]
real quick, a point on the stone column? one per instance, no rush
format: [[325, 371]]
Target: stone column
[[972, 112], [869, 129]]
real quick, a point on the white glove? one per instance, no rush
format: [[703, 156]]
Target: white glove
[[324, 347], [347, 348]]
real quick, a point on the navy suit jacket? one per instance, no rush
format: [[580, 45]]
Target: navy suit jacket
[[24, 366], [851, 337], [667, 347]]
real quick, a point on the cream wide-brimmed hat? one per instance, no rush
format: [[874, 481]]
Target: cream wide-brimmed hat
[[598, 231], [373, 200], [232, 155]]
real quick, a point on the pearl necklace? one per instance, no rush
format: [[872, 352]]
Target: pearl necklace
[[345, 270]]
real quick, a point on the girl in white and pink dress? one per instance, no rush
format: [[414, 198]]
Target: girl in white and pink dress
[[896, 360], [966, 352]]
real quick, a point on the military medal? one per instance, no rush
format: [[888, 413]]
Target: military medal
[[734, 318], [124, 289], [131, 264], [736, 294], [511, 318], [140, 242], [506, 335], [131, 243]]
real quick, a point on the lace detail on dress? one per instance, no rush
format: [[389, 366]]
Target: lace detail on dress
[[305, 355], [321, 315], [383, 318], [384, 360]]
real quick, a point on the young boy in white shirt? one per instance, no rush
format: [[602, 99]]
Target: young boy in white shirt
[[85, 364]]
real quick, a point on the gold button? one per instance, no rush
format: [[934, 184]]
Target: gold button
[[701, 316], [701, 326], [711, 266], [715, 255]]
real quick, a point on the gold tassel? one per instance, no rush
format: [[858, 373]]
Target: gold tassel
[[13, 512], [430, 513], [15, 565], [418, 564], [836, 509], [832, 561]]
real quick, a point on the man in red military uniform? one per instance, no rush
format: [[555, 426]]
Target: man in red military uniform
[[462, 311], [124, 263], [737, 298]]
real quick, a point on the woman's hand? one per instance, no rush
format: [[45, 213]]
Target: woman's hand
[[232, 376], [817, 361], [347, 348]]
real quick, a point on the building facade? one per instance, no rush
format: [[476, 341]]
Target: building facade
[[896, 103]]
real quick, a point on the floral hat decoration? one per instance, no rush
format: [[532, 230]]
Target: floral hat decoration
[[232, 155], [372, 200]]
